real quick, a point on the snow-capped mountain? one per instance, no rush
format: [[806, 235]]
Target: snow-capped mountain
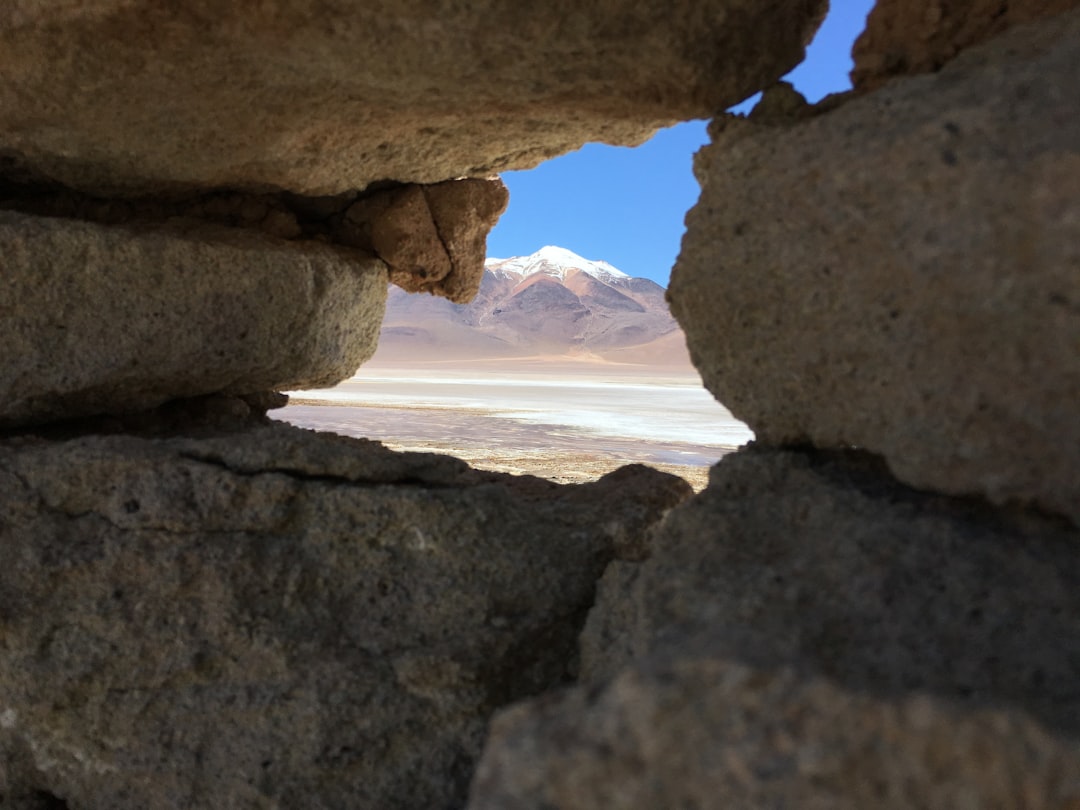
[[556, 262], [551, 303]]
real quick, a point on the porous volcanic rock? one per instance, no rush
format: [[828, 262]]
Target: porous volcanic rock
[[902, 273], [143, 97], [920, 36], [822, 561], [277, 618], [701, 731], [101, 319], [809, 633]]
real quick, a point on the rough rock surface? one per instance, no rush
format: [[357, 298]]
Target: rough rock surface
[[432, 238], [825, 562], [281, 619], [902, 273], [143, 97], [700, 731], [99, 319], [809, 633], [920, 36]]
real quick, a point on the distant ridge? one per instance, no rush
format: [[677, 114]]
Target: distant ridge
[[553, 303]]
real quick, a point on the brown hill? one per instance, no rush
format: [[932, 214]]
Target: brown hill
[[553, 303]]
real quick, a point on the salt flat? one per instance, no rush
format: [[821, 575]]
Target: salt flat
[[569, 421]]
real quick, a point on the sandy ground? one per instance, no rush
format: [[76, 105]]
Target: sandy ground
[[561, 420]]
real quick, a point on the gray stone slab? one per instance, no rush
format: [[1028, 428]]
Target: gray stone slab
[[135, 97], [99, 319], [279, 618]]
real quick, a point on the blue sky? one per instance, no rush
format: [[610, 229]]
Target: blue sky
[[626, 205]]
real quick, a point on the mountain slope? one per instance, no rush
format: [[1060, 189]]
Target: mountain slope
[[552, 303]]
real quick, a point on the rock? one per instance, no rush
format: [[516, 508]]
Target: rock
[[902, 273], [277, 618], [194, 416], [131, 97], [781, 104], [701, 731], [824, 563], [432, 238], [103, 319], [400, 229], [808, 633], [464, 211], [905, 36]]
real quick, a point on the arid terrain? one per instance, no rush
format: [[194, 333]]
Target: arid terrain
[[565, 420], [562, 367]]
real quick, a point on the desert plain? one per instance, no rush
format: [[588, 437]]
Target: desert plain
[[564, 419]]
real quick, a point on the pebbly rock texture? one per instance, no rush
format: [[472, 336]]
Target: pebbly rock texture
[[112, 320], [808, 633], [700, 731], [823, 561], [276, 618], [919, 36], [17, 13], [902, 274], [141, 97]]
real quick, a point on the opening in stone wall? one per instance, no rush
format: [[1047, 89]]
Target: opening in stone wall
[[568, 363]]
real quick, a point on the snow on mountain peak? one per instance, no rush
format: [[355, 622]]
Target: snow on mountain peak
[[557, 262]]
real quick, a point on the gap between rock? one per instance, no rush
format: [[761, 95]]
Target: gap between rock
[[424, 256]]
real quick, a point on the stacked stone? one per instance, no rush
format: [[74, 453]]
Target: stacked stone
[[226, 189], [120, 307], [877, 604], [203, 200]]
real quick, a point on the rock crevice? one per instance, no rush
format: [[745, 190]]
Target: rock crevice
[[419, 258]]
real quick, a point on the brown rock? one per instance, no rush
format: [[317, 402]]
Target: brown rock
[[111, 320], [432, 238], [278, 618], [464, 211], [701, 731], [20, 13], [919, 36], [902, 274], [403, 235], [142, 97]]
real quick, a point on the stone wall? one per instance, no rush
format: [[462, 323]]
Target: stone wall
[[875, 605]]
